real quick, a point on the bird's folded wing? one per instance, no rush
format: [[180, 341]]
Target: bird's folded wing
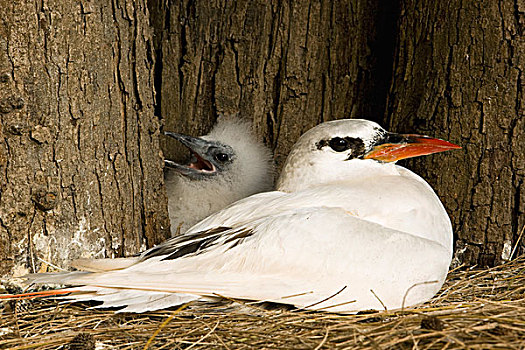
[[316, 258], [194, 243]]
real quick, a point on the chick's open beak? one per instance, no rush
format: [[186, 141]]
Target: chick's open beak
[[198, 164], [395, 147]]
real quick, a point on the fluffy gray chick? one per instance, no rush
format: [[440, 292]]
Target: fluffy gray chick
[[226, 165]]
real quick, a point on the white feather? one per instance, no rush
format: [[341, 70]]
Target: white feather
[[98, 265]]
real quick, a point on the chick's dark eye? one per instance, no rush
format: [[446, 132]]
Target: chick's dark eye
[[338, 144], [222, 157]]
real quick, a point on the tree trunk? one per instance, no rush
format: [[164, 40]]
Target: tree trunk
[[458, 74], [286, 65], [80, 170]]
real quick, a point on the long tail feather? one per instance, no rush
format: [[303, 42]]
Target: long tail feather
[[33, 295]]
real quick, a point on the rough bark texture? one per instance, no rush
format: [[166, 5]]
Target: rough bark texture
[[80, 169], [458, 74], [286, 65]]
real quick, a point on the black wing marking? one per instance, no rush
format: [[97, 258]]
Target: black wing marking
[[180, 246]]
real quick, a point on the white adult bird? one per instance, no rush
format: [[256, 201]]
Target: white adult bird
[[227, 164], [347, 230]]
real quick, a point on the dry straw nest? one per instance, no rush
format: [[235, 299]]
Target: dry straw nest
[[476, 309]]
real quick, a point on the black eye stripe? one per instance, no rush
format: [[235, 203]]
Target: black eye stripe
[[356, 145]]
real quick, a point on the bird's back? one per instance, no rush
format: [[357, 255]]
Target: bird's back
[[403, 202]]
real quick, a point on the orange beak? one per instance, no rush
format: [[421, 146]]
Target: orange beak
[[400, 146]]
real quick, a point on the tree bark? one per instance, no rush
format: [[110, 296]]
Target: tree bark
[[286, 65], [458, 74], [80, 169]]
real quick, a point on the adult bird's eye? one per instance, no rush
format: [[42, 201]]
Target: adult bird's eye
[[338, 144], [222, 157]]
